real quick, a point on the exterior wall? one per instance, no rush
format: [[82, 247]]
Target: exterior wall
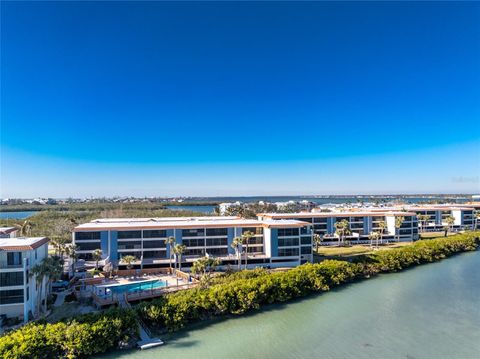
[[215, 241], [113, 246], [30, 295]]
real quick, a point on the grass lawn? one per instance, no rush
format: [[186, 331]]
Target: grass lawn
[[334, 251], [429, 235]]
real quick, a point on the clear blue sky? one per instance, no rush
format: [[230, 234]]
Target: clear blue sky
[[155, 98]]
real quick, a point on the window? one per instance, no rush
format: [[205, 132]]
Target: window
[[320, 220], [195, 252], [14, 258], [86, 236], [217, 241], [154, 254], [85, 256], [306, 240], [154, 244], [217, 251], [286, 252], [286, 242], [129, 234], [255, 249], [217, 231], [155, 233], [285, 232], [130, 245], [304, 230], [306, 250], [11, 278], [88, 246], [11, 296], [254, 230], [196, 232], [195, 242], [256, 240]]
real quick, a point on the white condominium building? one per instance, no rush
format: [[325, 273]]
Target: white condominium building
[[18, 290], [275, 243]]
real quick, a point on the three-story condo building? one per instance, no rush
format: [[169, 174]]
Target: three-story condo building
[[464, 216], [274, 243], [18, 291], [361, 224]]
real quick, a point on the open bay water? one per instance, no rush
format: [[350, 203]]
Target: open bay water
[[17, 215], [431, 311]]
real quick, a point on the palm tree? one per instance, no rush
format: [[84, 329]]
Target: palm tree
[[49, 269], [246, 238], [450, 222], [398, 224], [26, 228], [237, 245], [477, 218], [342, 229], [108, 268], [423, 218], [170, 242], [179, 250], [128, 260], [73, 255], [382, 225], [204, 266], [373, 236], [39, 273], [97, 255], [62, 246], [317, 239]]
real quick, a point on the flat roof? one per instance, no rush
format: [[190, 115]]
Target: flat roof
[[164, 219], [333, 214], [22, 243], [186, 222]]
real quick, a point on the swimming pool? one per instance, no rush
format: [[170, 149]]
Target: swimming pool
[[137, 287]]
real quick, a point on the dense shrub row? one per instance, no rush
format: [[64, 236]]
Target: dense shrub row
[[82, 336], [247, 290]]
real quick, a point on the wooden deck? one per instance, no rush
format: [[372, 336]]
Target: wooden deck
[[140, 295]]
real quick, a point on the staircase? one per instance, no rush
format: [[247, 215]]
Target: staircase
[[146, 341]]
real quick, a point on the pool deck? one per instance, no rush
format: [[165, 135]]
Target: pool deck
[[174, 283]]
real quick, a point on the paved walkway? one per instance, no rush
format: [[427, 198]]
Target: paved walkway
[[61, 298]]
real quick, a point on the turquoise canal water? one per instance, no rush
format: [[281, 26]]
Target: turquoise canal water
[[432, 311]]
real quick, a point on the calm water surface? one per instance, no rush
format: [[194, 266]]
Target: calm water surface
[[203, 209], [432, 311], [17, 215]]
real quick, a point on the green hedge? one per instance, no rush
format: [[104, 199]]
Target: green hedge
[[248, 290], [81, 336]]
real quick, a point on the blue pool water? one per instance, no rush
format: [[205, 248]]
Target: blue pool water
[[136, 287]]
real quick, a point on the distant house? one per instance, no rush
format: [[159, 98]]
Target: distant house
[[8, 232]]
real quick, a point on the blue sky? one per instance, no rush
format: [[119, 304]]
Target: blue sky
[[155, 98]]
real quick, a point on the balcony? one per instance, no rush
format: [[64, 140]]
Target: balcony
[[11, 266]]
